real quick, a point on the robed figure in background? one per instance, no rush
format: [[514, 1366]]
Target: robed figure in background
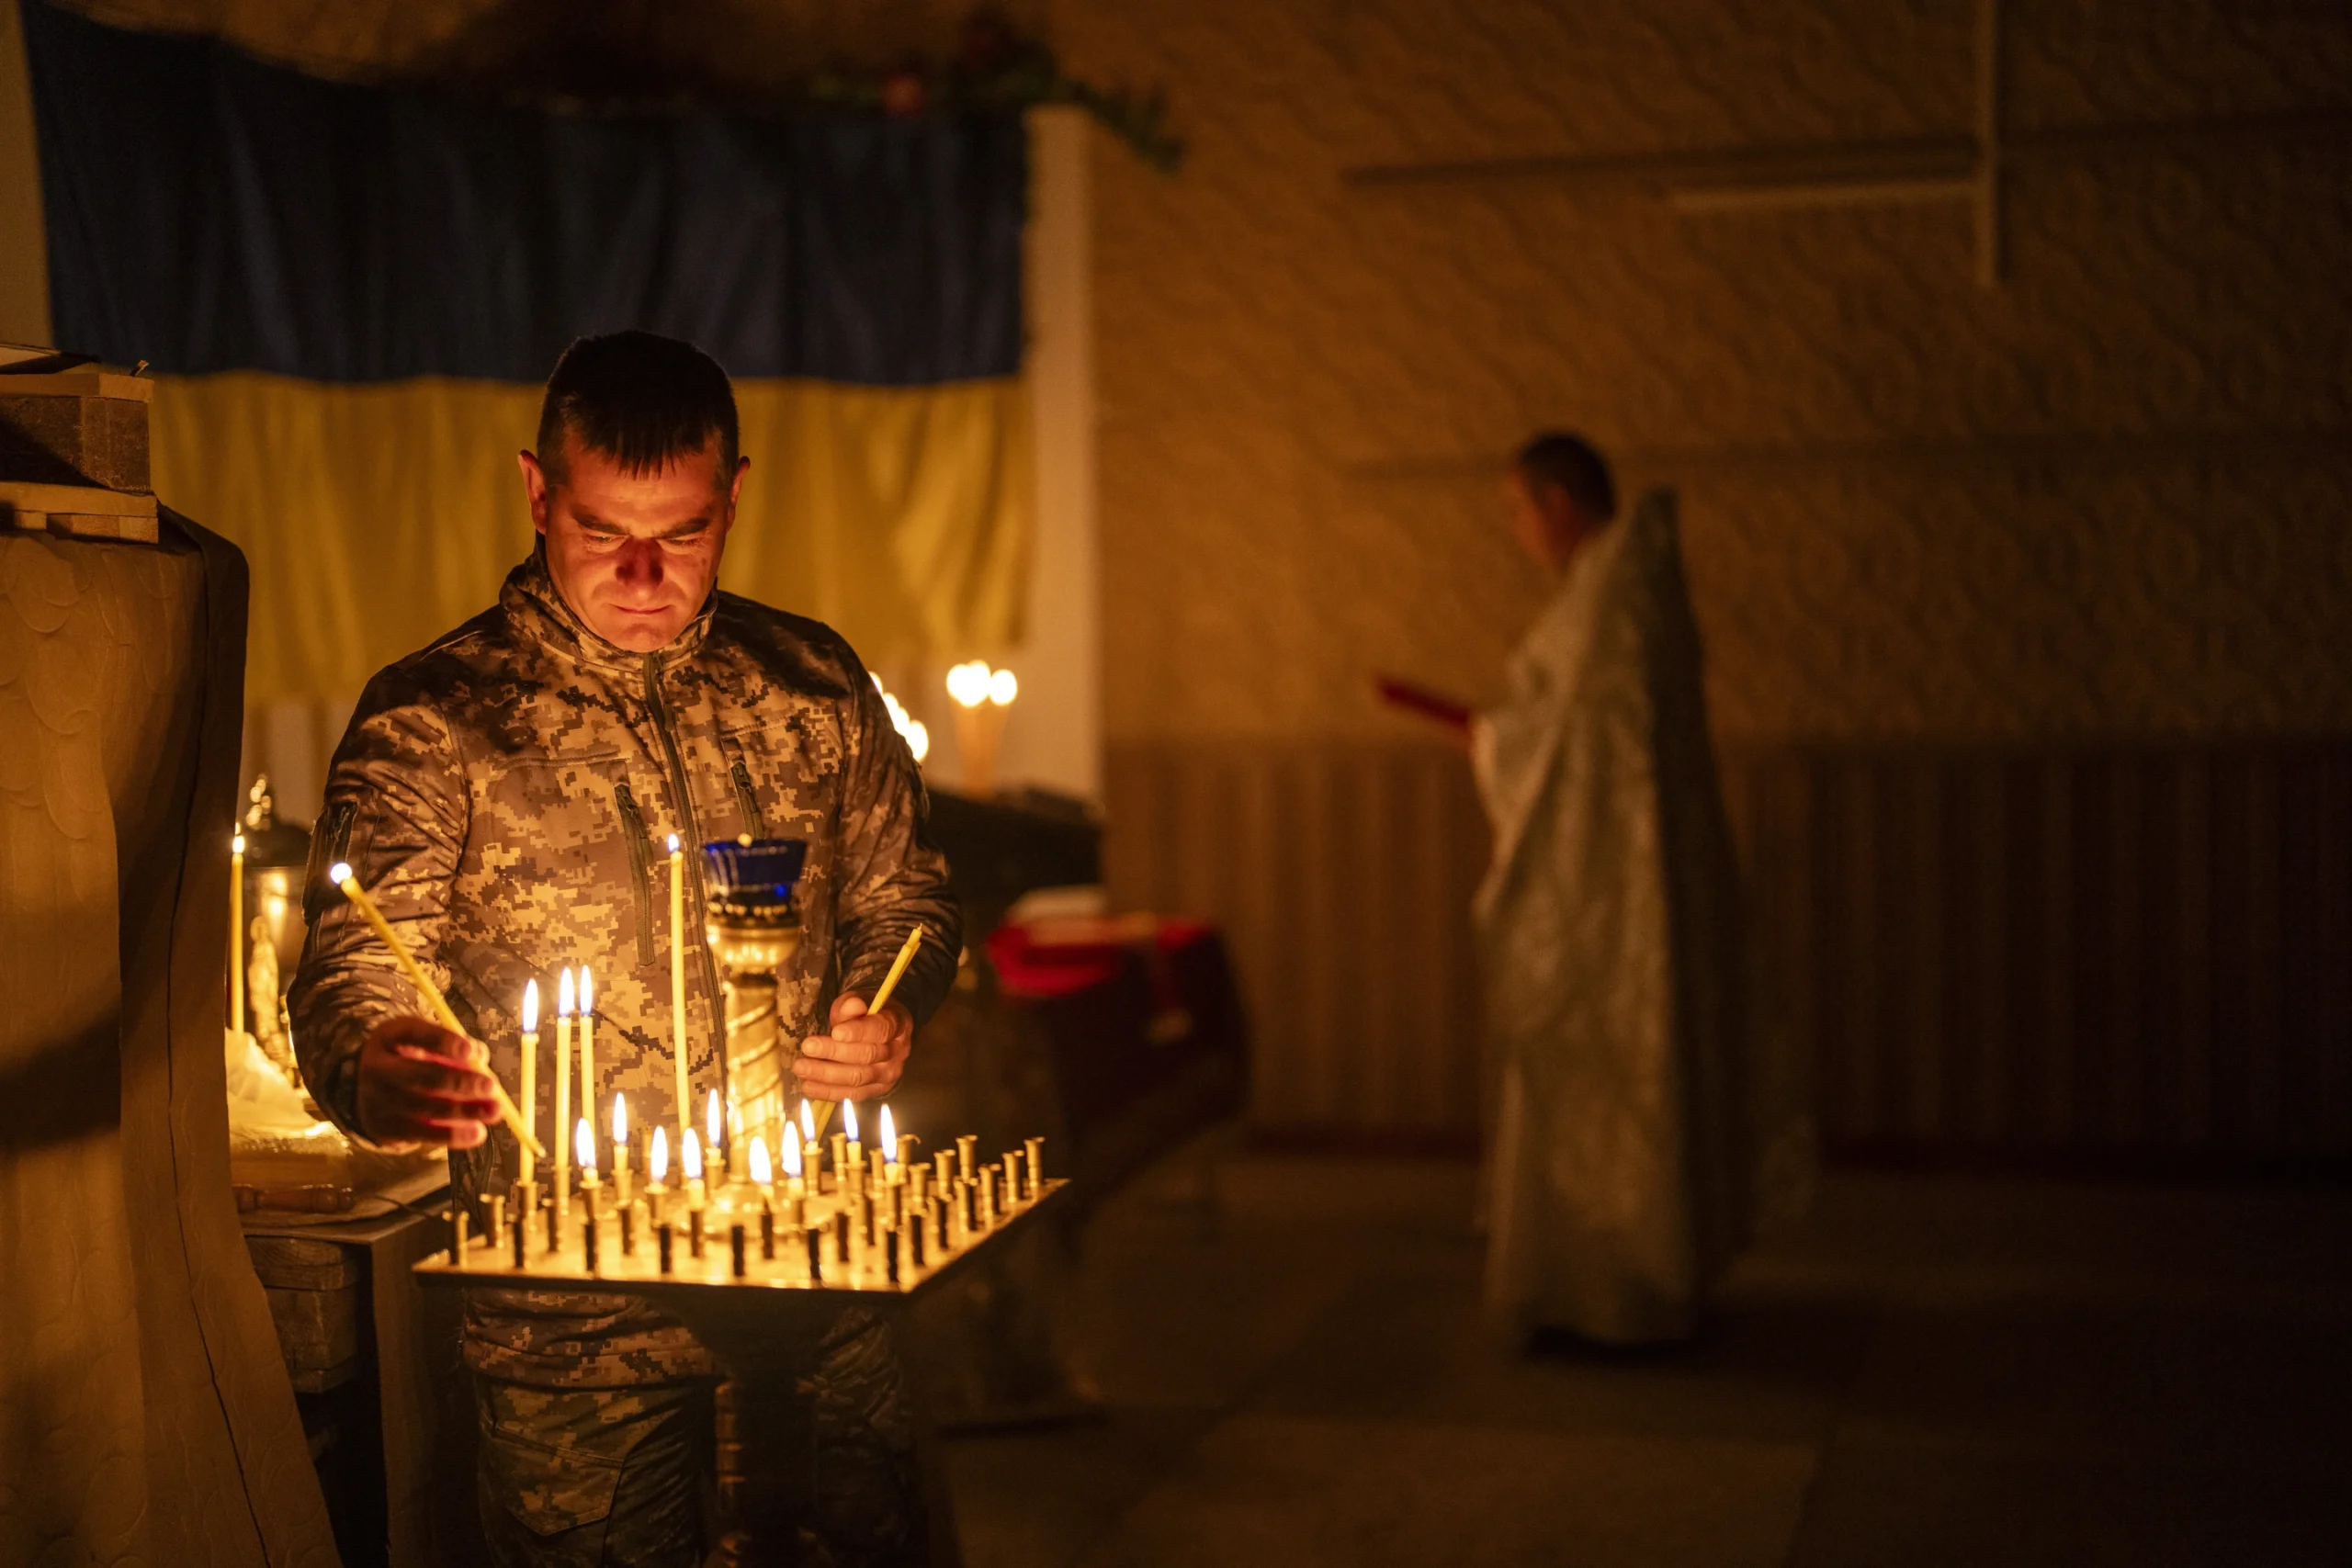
[[1643, 1126]]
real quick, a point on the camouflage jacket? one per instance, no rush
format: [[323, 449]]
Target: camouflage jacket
[[506, 795]]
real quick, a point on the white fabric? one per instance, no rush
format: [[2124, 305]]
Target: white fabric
[[1644, 1128]]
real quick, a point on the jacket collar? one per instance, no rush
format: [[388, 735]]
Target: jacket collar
[[538, 612]]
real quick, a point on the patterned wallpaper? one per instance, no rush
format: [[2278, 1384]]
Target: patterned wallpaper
[[2108, 497]]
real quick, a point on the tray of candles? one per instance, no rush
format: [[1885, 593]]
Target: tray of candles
[[871, 1225]]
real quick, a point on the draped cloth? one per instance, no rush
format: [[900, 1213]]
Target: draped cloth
[[350, 296], [145, 1415], [1646, 1124]]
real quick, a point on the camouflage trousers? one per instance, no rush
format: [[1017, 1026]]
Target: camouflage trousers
[[596, 1478]]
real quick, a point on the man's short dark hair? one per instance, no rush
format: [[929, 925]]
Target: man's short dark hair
[[1570, 464], [640, 398]]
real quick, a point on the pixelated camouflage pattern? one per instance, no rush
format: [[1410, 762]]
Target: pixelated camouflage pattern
[[505, 795], [827, 1456]]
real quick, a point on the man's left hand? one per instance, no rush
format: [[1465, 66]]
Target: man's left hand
[[863, 1055]]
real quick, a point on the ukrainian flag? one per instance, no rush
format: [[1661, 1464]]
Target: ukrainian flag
[[349, 297]]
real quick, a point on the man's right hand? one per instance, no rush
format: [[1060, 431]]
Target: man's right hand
[[418, 1085]]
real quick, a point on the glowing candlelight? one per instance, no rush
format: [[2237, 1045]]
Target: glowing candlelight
[[712, 1124], [237, 934], [620, 1146], [340, 875], [657, 1167], [583, 1145], [565, 1002], [795, 1184], [678, 984], [588, 1044], [892, 1174], [530, 1067], [1002, 687], [690, 1160], [761, 1176]]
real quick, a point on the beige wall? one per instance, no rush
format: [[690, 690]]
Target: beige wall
[[2109, 496], [2083, 534]]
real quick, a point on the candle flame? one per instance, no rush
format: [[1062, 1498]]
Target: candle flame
[[968, 684], [563, 994], [690, 1157], [530, 1007], [583, 1145], [339, 873], [658, 1161], [237, 845], [759, 1172], [807, 1120], [587, 990], [1002, 687], [710, 1118], [890, 1139], [620, 1119], [849, 1119], [673, 843], [791, 1158]]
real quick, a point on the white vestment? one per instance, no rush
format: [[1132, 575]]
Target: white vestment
[[1643, 1126]]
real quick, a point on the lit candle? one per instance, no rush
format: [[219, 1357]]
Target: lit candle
[[621, 1148], [795, 1186], [657, 1166], [564, 1004], [678, 985], [530, 1106], [237, 934], [814, 1155], [890, 1171], [849, 1158], [761, 1176], [584, 1143], [712, 1128], [588, 1045], [690, 1158]]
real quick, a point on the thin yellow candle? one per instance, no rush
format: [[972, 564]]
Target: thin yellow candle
[[849, 1159], [588, 1045], [713, 1148], [657, 1167], [584, 1143], [881, 999], [237, 934], [340, 875], [530, 1068], [678, 984], [620, 1146], [795, 1184], [690, 1157], [564, 1005], [761, 1176], [735, 1143]]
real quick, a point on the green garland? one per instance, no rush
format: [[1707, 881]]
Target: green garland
[[996, 69]]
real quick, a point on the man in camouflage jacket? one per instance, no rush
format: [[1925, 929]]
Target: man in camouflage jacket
[[506, 795]]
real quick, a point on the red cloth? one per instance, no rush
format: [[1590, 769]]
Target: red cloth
[[1027, 967]]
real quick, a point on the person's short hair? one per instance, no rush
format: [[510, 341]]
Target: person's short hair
[[640, 398], [1571, 465]]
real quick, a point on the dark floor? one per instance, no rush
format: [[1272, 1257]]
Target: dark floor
[[1928, 1372]]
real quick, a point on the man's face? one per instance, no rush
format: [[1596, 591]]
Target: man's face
[[634, 555]]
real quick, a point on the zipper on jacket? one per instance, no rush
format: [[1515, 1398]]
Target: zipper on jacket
[[641, 870], [659, 707], [745, 801]]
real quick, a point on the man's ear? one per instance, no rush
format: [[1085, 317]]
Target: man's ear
[[535, 485], [735, 490]]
